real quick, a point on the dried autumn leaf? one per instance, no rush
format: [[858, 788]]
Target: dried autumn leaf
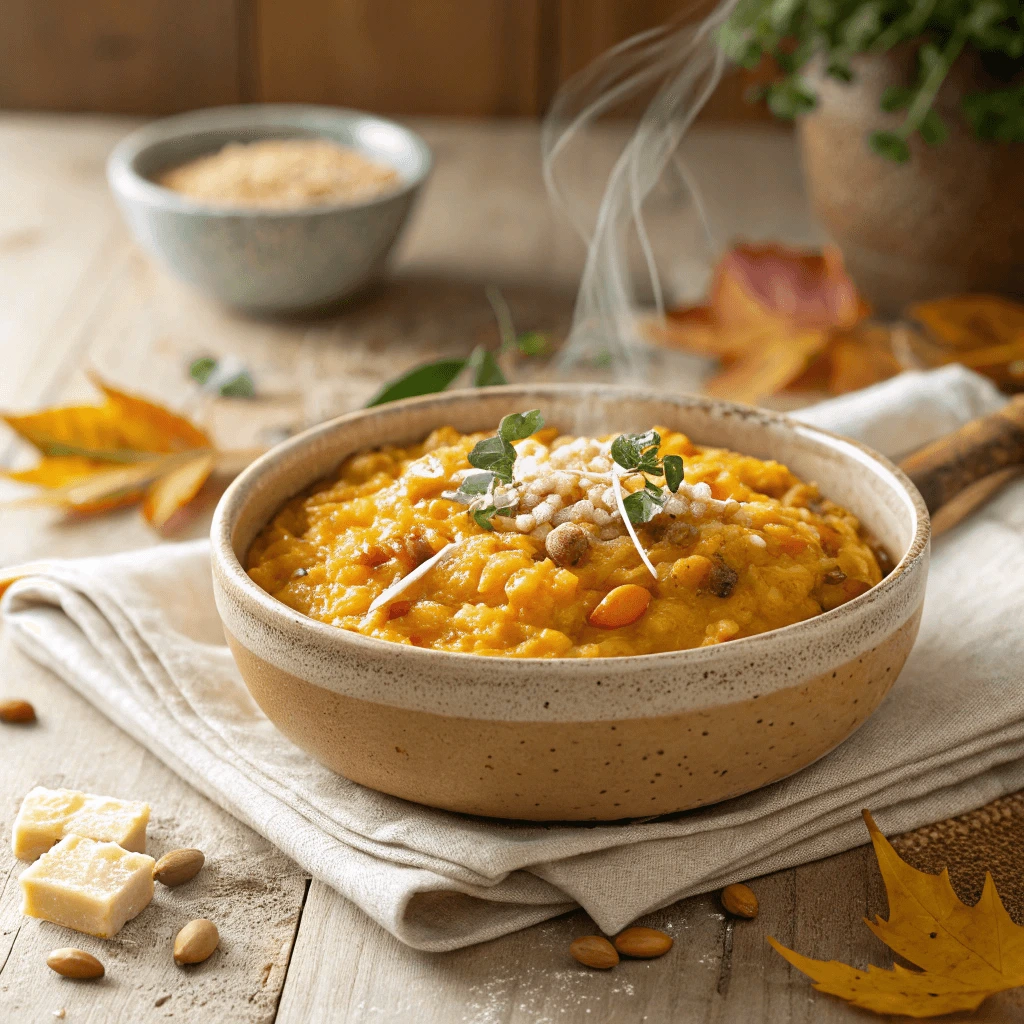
[[971, 321], [770, 366], [984, 332], [100, 457], [795, 287], [176, 489], [779, 318], [965, 953]]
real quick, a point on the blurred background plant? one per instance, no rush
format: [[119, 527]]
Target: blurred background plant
[[793, 34]]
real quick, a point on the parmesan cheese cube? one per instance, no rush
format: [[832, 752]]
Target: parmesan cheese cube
[[48, 815], [91, 887]]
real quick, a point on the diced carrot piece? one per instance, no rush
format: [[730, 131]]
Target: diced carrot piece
[[831, 540], [621, 606], [792, 545]]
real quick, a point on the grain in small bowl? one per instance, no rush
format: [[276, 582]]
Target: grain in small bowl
[[270, 208]]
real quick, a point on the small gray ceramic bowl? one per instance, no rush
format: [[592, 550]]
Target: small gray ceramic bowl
[[266, 260]]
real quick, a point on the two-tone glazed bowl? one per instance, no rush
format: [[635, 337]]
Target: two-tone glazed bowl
[[575, 739]]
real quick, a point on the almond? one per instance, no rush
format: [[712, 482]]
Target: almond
[[196, 941], [178, 867], [74, 963], [739, 900], [17, 712], [643, 943], [594, 951]]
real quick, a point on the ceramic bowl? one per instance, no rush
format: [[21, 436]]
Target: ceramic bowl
[[575, 739], [259, 260]]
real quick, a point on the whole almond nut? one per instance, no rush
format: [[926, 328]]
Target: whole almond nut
[[643, 943], [74, 963], [178, 867], [594, 951], [17, 712], [196, 941], [739, 900]]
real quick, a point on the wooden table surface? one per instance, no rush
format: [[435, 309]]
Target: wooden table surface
[[75, 293]]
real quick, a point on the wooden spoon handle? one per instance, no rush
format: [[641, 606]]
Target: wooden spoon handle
[[990, 448]]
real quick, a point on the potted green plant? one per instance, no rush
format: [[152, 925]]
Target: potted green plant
[[911, 123]]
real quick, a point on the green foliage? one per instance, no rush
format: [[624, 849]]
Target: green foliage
[[422, 380], [481, 365], [792, 32], [238, 385], [639, 453]]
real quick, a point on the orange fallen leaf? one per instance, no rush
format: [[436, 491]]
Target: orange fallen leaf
[[781, 318], [984, 332], [100, 457], [965, 953]]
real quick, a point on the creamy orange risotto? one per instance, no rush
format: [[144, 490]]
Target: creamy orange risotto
[[532, 556]]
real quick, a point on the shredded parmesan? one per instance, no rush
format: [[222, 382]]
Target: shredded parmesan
[[409, 579], [629, 526]]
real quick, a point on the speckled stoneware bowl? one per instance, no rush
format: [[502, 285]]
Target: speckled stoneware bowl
[[575, 738], [258, 260]]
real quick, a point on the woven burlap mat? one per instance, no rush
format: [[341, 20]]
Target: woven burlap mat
[[988, 839]]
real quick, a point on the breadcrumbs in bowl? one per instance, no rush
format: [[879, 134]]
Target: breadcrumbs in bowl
[[281, 174], [741, 547]]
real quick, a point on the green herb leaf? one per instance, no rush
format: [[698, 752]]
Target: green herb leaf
[[533, 343], [790, 98], [998, 115], [483, 517], [239, 386], [494, 454], [518, 426], [933, 129], [895, 98], [673, 465], [628, 450], [890, 145], [476, 484], [200, 369], [484, 368], [839, 70], [643, 505], [427, 379]]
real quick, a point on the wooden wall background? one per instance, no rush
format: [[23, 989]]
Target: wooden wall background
[[456, 57]]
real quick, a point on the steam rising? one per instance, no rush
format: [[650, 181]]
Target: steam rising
[[685, 60]]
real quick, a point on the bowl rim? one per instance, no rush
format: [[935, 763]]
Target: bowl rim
[[129, 184], [276, 614]]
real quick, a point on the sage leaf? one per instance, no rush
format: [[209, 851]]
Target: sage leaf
[[427, 379]]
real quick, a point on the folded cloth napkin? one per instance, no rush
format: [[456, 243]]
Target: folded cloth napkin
[[138, 635]]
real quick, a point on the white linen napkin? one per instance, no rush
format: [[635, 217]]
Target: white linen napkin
[[138, 635]]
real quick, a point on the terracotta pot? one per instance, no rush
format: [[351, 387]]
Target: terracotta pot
[[949, 220], [574, 738]]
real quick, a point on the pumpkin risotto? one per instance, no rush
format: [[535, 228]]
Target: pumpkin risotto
[[396, 546]]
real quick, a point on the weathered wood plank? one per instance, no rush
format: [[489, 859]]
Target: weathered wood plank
[[116, 57]]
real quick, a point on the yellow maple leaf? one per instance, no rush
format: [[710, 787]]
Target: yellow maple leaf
[[125, 450], [965, 953]]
